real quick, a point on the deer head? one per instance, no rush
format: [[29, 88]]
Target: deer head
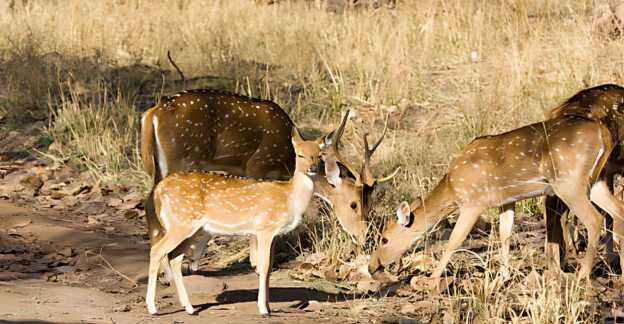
[[308, 153], [354, 189], [397, 234]]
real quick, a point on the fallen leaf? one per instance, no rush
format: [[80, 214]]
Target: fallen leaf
[[129, 204], [432, 285], [133, 195], [366, 286], [385, 278], [114, 202], [447, 318], [131, 214], [317, 259], [361, 275], [327, 273], [344, 271], [306, 266], [420, 261]]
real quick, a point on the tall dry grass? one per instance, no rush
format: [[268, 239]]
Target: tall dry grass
[[477, 67]]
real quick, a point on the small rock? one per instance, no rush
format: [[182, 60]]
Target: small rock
[[123, 308], [56, 194], [49, 276], [66, 252], [65, 269], [314, 306], [82, 263], [109, 229]]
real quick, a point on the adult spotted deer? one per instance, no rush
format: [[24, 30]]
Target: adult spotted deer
[[562, 156], [604, 105], [188, 202], [214, 130]]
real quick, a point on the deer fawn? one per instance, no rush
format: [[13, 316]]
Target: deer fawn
[[215, 130], [603, 104], [187, 202], [562, 156]]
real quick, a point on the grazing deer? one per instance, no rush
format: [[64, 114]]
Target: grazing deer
[[562, 156], [191, 201], [603, 104], [214, 130]]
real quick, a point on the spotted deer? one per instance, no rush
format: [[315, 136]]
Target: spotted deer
[[562, 156], [603, 104], [191, 201], [214, 130]]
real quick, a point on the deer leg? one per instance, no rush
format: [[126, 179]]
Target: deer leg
[[602, 196], [176, 267], [253, 251], [157, 254], [581, 206], [156, 234], [468, 217], [199, 250], [506, 226], [555, 236], [567, 221], [265, 257]]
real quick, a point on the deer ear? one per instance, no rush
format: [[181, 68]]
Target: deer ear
[[404, 213], [332, 172], [325, 141], [296, 137]]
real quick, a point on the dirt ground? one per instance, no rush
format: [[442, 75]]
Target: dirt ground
[[112, 287]]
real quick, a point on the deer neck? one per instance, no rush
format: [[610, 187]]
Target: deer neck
[[302, 189], [439, 203]]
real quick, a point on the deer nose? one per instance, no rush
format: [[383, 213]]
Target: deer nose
[[313, 168]]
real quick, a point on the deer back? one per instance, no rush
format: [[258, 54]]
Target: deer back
[[218, 130]]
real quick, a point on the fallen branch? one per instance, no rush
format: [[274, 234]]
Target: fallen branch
[[175, 65], [238, 257]]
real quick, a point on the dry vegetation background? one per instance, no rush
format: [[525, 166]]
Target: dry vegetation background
[[445, 71]]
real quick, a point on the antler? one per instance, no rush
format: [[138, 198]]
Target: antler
[[369, 179], [337, 137]]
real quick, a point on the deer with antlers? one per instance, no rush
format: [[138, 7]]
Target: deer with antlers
[[214, 130], [562, 156], [188, 202]]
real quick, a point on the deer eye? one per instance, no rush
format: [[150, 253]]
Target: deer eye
[[353, 205], [384, 241], [300, 155]]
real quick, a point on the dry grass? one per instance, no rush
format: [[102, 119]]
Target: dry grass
[[456, 69]]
